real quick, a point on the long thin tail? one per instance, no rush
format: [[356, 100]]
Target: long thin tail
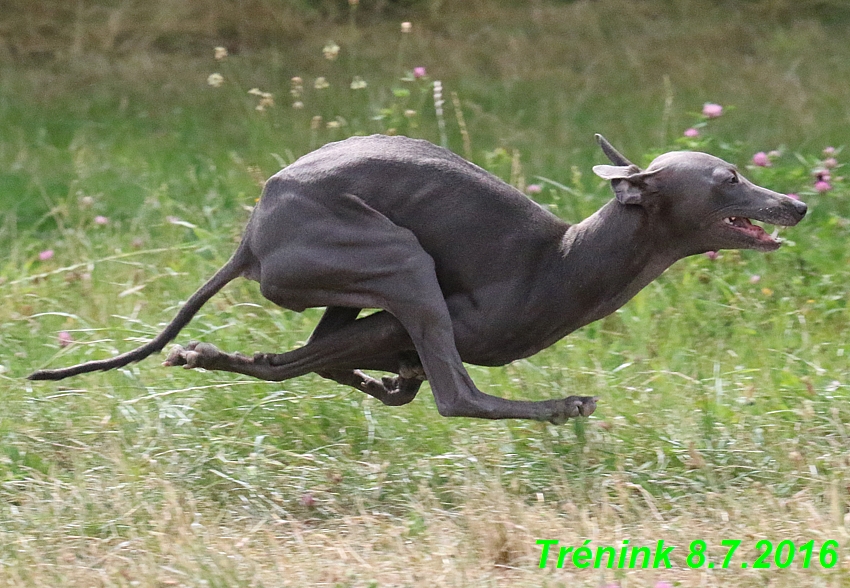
[[231, 270]]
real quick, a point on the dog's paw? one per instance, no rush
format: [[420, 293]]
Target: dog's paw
[[374, 387], [390, 390], [194, 355], [572, 407]]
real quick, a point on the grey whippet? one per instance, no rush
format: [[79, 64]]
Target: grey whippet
[[462, 266]]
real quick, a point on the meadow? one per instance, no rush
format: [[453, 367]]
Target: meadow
[[131, 153]]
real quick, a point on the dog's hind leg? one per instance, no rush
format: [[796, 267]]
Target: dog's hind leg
[[392, 391], [338, 340], [334, 318], [377, 341]]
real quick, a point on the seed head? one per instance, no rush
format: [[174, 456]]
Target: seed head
[[297, 87], [215, 80], [330, 50]]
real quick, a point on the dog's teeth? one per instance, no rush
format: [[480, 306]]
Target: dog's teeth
[[775, 233]]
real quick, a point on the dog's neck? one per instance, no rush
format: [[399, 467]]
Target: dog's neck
[[608, 258]]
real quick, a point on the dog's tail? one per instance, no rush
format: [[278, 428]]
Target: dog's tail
[[231, 270]]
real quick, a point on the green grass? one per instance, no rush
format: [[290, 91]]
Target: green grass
[[723, 385]]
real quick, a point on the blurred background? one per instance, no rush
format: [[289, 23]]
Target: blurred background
[[536, 77]]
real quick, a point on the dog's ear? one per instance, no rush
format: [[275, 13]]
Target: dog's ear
[[612, 154], [627, 181]]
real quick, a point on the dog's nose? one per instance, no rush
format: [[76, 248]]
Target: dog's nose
[[800, 207]]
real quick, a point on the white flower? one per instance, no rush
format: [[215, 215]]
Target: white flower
[[330, 50]]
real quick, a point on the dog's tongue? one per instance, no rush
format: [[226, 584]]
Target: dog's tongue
[[740, 221], [745, 224]]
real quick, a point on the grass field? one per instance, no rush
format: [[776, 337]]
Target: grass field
[[126, 179]]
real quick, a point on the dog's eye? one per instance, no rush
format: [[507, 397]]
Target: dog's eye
[[733, 179]]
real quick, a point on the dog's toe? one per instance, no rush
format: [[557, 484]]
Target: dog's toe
[[192, 359], [176, 356], [196, 354]]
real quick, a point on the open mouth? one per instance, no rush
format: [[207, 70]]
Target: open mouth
[[745, 227]]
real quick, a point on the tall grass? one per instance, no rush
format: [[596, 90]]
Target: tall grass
[[723, 384]]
